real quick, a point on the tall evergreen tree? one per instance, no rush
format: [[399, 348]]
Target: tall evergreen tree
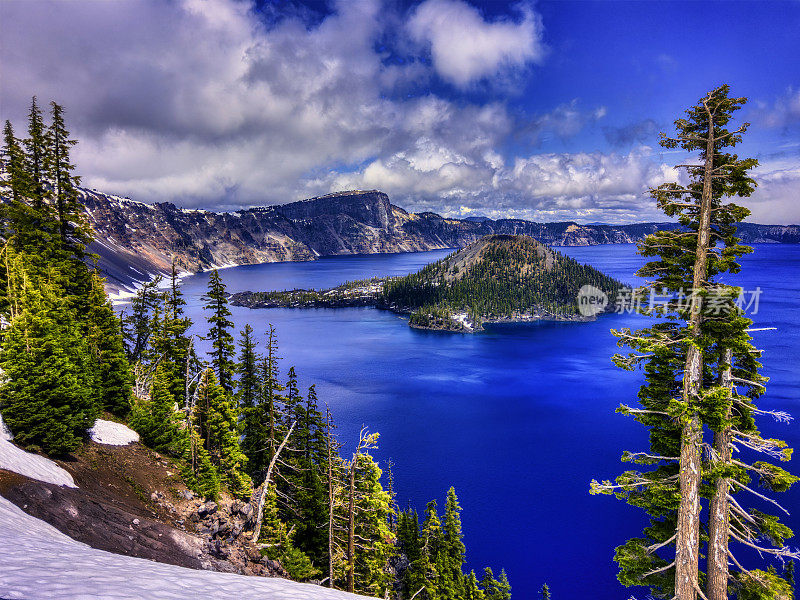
[[17, 180], [137, 325], [47, 397], [688, 375], [36, 155], [72, 227], [156, 420], [220, 421], [112, 376], [247, 369], [311, 534], [222, 346], [454, 545]]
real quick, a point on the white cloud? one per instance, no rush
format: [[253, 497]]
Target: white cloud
[[783, 112], [200, 103], [466, 48]]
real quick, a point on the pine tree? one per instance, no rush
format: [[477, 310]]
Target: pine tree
[[471, 589], [36, 156], [17, 180], [544, 592], [220, 422], [47, 397], [137, 326], [375, 540], [691, 359], [454, 546], [156, 420], [172, 343], [278, 539], [249, 385], [311, 497], [72, 227], [269, 399], [112, 376], [222, 346], [496, 589], [199, 474], [248, 382], [432, 566]]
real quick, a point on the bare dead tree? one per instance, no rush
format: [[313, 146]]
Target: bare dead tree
[[265, 486]]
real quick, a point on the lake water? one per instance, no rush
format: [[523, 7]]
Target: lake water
[[519, 418]]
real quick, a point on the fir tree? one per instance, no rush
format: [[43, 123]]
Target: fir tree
[[247, 369], [137, 326], [17, 180], [221, 432], [471, 589], [544, 592], [172, 343], [692, 359], [454, 546], [47, 398], [278, 540], [36, 155], [112, 376], [311, 501], [222, 346], [72, 227], [496, 589], [199, 474], [156, 420]]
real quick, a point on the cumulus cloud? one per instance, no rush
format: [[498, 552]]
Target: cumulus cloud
[[466, 48], [207, 104]]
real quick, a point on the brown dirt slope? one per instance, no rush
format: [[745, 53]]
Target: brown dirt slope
[[131, 500]]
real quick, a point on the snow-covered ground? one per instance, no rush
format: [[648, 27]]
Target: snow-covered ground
[[31, 465], [112, 434], [38, 562]]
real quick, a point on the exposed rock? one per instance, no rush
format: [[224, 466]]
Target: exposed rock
[[135, 240], [209, 508]]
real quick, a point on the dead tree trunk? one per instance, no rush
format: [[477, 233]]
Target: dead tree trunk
[[688, 535], [265, 486], [329, 453], [351, 528], [718, 534]]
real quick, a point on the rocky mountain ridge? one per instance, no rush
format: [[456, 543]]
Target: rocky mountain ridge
[[135, 240]]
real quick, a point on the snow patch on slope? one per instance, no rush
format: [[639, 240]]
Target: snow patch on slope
[[31, 465], [112, 434], [39, 562]]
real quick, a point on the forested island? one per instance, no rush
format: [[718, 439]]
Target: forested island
[[499, 278]]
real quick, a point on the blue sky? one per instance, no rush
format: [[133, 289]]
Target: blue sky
[[540, 110]]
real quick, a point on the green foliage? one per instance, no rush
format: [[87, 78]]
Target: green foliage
[[707, 320], [112, 376], [511, 276], [62, 354], [219, 420], [198, 473], [279, 541], [155, 419], [436, 556], [222, 347], [762, 585], [47, 397]]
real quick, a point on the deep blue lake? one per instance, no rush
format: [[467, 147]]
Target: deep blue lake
[[519, 418]]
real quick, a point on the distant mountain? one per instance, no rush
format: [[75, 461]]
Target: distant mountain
[[136, 240]]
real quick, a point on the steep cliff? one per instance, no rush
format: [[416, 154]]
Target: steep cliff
[[136, 240]]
